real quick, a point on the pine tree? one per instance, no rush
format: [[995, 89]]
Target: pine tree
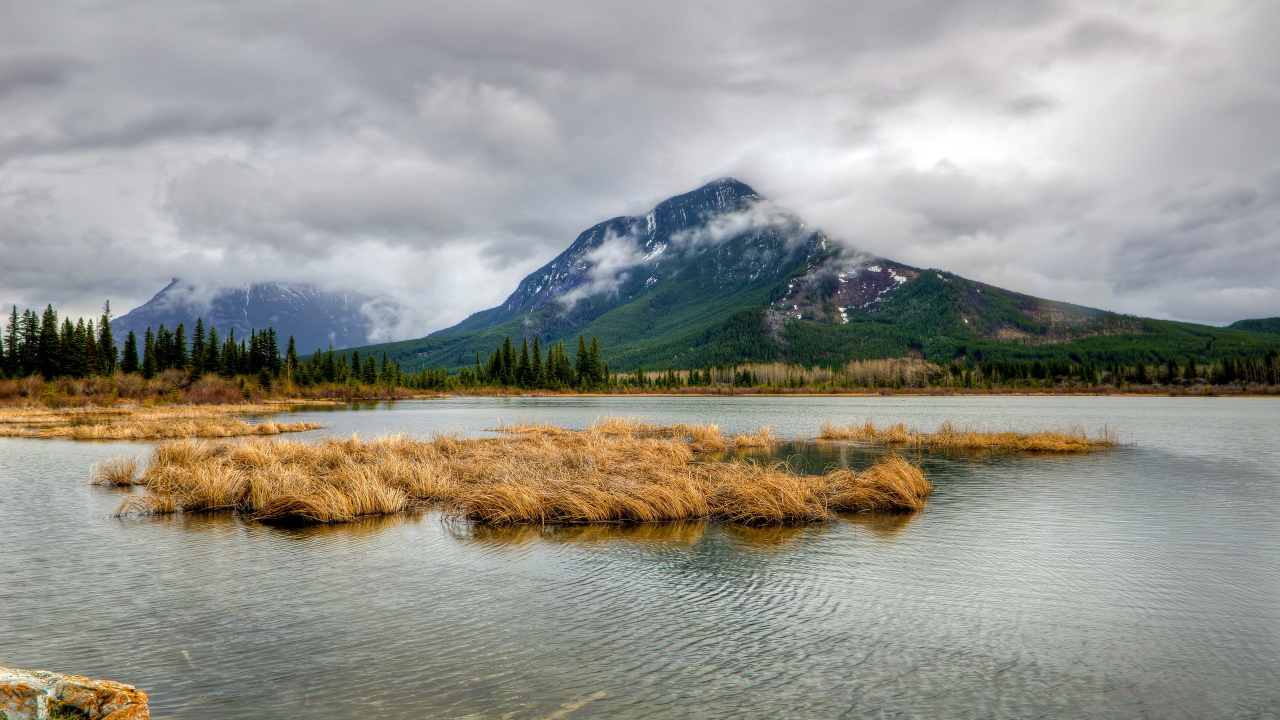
[[537, 373], [106, 342], [508, 362], [47, 349], [74, 360], [180, 359], [355, 365], [271, 351], [523, 367], [594, 366], [13, 344], [582, 363], [209, 361], [149, 364], [197, 349], [291, 358], [228, 362], [129, 363]]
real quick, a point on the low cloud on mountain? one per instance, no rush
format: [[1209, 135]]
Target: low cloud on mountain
[[1120, 155]]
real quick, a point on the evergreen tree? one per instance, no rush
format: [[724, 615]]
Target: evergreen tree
[[356, 370], [369, 371], [209, 361], [149, 364], [582, 363], [129, 363], [13, 344], [180, 359], [508, 362], [47, 351], [524, 370], [30, 350], [106, 342], [198, 349], [537, 373], [291, 358]]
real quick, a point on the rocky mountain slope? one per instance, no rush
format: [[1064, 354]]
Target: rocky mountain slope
[[722, 275], [315, 318]]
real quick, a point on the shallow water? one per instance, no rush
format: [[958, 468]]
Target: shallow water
[[1139, 582]]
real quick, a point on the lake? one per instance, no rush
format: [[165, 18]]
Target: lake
[[1138, 582]]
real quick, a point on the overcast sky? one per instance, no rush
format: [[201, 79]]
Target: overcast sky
[[1123, 155]]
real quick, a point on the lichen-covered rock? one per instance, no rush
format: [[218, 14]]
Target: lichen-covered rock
[[28, 695]]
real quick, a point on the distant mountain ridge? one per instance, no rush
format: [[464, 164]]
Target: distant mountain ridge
[[1270, 326], [721, 275], [316, 318]]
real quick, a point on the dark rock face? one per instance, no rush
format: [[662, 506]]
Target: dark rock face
[[314, 317]]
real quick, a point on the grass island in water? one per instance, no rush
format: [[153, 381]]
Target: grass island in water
[[143, 423], [621, 471]]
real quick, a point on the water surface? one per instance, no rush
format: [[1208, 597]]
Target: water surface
[[1140, 582]]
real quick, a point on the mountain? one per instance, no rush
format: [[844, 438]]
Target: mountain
[[314, 317], [1271, 326], [723, 275]]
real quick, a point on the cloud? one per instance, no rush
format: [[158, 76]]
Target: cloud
[[609, 265], [1113, 154], [758, 216]]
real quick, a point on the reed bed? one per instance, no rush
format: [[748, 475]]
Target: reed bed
[[532, 477], [948, 437], [143, 423]]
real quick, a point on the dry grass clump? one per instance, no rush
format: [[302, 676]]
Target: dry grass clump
[[119, 471], [533, 478], [143, 423], [700, 438], [949, 437]]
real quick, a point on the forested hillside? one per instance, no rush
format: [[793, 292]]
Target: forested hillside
[[721, 276]]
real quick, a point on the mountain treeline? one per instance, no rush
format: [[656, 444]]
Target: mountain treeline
[[40, 344]]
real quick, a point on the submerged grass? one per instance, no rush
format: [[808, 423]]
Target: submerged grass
[[949, 437], [540, 475], [143, 423]]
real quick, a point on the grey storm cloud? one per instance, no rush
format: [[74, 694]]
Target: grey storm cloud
[[1119, 154]]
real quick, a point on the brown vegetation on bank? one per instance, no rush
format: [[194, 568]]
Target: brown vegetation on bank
[[143, 423], [948, 437], [540, 475]]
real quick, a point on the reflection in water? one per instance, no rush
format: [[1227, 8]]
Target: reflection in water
[[682, 533], [1135, 582], [885, 525]]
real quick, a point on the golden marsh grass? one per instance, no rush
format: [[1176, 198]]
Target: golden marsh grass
[[539, 476], [948, 437], [143, 423]]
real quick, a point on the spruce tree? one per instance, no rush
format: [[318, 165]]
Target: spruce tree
[[149, 363], [197, 349], [537, 374], [106, 342], [13, 344], [271, 351], [47, 355], [508, 362], [180, 358], [291, 358], [594, 366], [356, 370], [129, 363], [582, 363], [209, 361], [523, 367]]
